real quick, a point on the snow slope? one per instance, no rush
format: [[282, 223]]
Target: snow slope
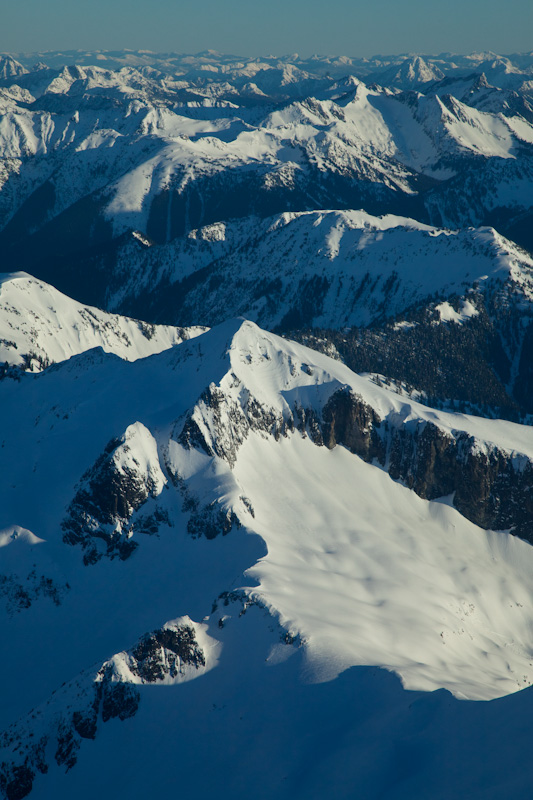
[[39, 326], [256, 370], [293, 563], [367, 573], [229, 566], [326, 269]]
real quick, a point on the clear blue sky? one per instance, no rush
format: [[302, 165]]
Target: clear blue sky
[[347, 27]]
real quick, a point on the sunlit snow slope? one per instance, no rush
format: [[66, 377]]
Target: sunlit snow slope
[[362, 568], [39, 325], [237, 508], [358, 565]]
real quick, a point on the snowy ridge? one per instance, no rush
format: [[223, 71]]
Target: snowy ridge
[[286, 68], [256, 367], [254, 487], [323, 268], [277, 372], [266, 399], [179, 652], [39, 326], [229, 564], [148, 151]]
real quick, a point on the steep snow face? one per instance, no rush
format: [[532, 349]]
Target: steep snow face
[[10, 68], [368, 573], [214, 542], [240, 427], [39, 326], [248, 513], [349, 552], [325, 269], [475, 91], [476, 131]]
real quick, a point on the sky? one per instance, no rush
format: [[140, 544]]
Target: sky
[[278, 27]]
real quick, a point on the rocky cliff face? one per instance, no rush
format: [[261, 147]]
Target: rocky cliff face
[[490, 487], [118, 484], [241, 423], [218, 424]]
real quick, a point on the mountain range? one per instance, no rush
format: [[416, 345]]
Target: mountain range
[[266, 338]]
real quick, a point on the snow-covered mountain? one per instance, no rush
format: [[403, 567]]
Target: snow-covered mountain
[[328, 269], [475, 90], [232, 564], [10, 68], [217, 66], [91, 153], [340, 272], [39, 326], [250, 511], [412, 73]]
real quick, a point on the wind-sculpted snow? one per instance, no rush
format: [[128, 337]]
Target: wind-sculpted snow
[[229, 565], [261, 392]]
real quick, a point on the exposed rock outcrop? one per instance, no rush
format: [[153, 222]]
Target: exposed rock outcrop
[[56, 731], [219, 425], [120, 482], [20, 592], [348, 420], [491, 487]]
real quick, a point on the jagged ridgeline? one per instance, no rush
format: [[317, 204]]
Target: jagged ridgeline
[[186, 192], [266, 383], [162, 147], [448, 313], [255, 467]]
